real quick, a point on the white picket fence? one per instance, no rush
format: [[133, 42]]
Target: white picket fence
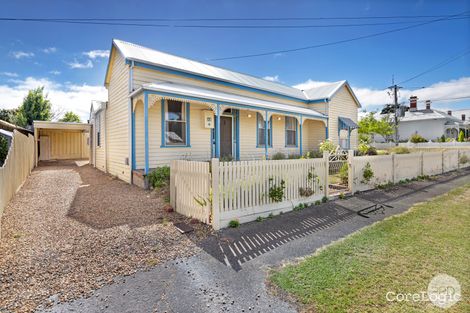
[[17, 166], [396, 167], [241, 190], [423, 145]]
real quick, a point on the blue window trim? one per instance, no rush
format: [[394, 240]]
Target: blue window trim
[[221, 82], [296, 132], [270, 133], [188, 126]]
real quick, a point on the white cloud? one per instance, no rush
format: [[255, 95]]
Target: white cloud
[[9, 74], [49, 50], [64, 97], [274, 78], [21, 54], [93, 54], [55, 72], [374, 98], [77, 65]]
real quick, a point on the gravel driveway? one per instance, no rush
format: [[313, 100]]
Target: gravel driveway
[[71, 229]]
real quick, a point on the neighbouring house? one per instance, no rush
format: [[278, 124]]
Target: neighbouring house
[[163, 107], [431, 123]]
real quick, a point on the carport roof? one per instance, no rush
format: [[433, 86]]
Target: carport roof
[[61, 125]]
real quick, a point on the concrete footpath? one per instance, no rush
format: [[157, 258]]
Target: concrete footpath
[[218, 279]]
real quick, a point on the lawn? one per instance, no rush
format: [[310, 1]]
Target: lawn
[[400, 254]]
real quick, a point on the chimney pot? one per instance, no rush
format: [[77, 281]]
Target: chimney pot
[[449, 112], [428, 104], [463, 117], [413, 103]]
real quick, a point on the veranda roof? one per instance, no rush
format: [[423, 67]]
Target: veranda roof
[[187, 92]]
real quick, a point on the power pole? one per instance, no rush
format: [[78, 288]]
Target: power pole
[[395, 89]]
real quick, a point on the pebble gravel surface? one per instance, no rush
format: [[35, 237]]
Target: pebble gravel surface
[[72, 229]]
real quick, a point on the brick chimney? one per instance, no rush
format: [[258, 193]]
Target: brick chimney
[[413, 103], [449, 112], [428, 104], [463, 117]]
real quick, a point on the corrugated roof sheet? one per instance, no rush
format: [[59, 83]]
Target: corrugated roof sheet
[[325, 91], [139, 53], [216, 95], [421, 115]]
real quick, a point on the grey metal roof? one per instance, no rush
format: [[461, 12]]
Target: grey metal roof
[[421, 115], [143, 54], [325, 91], [217, 95]]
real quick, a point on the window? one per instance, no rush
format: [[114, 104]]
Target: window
[[175, 123], [98, 129], [261, 131], [291, 131]]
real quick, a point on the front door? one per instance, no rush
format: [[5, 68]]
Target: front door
[[225, 136]]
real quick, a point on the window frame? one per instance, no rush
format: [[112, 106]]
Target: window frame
[[270, 131], [98, 128], [295, 130], [185, 110]]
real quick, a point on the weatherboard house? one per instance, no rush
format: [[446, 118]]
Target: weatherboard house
[[163, 107]]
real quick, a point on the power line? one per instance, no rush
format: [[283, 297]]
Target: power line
[[447, 99], [336, 42], [438, 66], [241, 19], [117, 23]]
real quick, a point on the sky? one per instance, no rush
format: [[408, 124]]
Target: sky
[[70, 60]]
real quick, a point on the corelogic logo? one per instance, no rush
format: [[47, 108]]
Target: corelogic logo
[[443, 291]]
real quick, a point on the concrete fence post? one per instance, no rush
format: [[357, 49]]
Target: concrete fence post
[[326, 160], [215, 194], [393, 167], [351, 171], [442, 161], [458, 158], [422, 163]]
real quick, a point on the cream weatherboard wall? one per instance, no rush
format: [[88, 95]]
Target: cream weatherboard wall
[[342, 104], [100, 161], [117, 120]]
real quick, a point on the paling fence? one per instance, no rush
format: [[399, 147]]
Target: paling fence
[[245, 190], [17, 166], [218, 192], [397, 167]]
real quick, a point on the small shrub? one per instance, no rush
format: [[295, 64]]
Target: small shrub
[[461, 137], [314, 154], [367, 173], [324, 199], [341, 195], [400, 150], [259, 219], [233, 223], [318, 202], [160, 177], [3, 149], [278, 156], [226, 158], [293, 156], [305, 192], [270, 215], [417, 138], [344, 173], [327, 146], [463, 159], [276, 193]]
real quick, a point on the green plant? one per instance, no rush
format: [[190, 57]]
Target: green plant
[[159, 177], [233, 223], [259, 219], [400, 150], [293, 156], [305, 192], [461, 137], [318, 202], [341, 195], [278, 156], [276, 193], [327, 146], [70, 117], [367, 173], [417, 138], [226, 158], [463, 159], [344, 173], [270, 215], [3, 149], [324, 199], [385, 185]]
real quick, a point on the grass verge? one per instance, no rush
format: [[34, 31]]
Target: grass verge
[[400, 254]]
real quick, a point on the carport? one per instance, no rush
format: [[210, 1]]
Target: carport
[[61, 141]]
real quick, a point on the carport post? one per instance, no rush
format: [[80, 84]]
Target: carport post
[[300, 139]]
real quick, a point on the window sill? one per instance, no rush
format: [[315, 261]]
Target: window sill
[[178, 146]]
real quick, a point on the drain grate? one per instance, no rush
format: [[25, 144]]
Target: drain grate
[[235, 247]]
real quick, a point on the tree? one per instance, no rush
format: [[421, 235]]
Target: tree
[[461, 137], [8, 115], [70, 117], [3, 149], [35, 107], [370, 126]]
